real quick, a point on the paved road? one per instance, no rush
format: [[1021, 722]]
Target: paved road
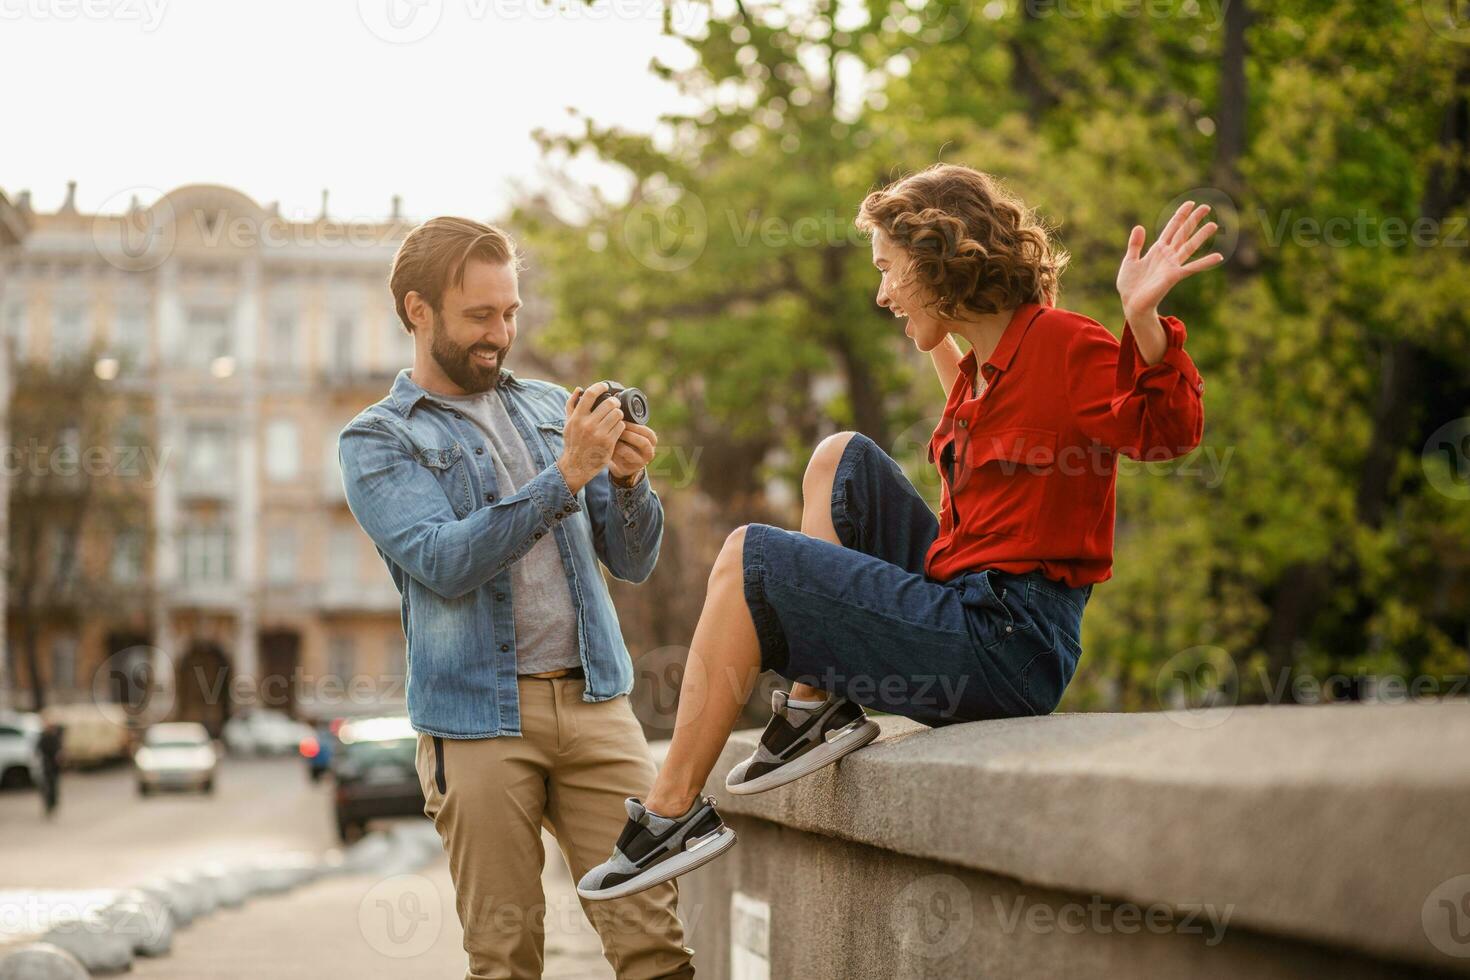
[[359, 926]]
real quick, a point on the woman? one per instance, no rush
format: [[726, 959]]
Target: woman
[[877, 603]]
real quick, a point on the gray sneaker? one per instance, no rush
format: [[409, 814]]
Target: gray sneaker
[[653, 849], [798, 742]]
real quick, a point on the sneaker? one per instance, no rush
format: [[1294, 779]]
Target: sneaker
[[799, 741], [653, 849]]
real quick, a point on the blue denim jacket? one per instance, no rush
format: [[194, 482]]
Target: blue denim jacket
[[420, 479]]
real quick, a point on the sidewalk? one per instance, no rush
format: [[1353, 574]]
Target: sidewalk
[[402, 927]]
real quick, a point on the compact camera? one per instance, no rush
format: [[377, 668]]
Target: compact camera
[[633, 402]]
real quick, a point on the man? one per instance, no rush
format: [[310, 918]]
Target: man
[[492, 499]]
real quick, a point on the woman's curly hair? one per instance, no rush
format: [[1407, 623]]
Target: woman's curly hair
[[974, 245]]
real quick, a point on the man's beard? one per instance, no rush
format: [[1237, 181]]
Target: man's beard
[[457, 364]]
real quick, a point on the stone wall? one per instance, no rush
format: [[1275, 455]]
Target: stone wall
[[1262, 842]]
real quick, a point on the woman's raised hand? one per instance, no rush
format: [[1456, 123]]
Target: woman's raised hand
[[1145, 278]]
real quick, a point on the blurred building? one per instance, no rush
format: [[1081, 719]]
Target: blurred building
[[250, 340], [13, 229]]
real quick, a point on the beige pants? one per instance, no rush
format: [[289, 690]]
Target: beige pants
[[570, 770]]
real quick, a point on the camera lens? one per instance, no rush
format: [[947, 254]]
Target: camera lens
[[635, 406]]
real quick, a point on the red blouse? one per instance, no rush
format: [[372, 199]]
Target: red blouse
[[1028, 468]]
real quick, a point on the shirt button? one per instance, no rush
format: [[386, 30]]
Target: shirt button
[[479, 451], [964, 424], [567, 509], [537, 535], [632, 524], [489, 498], [458, 416], [1009, 628], [505, 648], [557, 516], [500, 597], [1200, 386]]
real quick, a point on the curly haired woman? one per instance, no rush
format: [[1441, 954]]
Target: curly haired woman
[[976, 613]]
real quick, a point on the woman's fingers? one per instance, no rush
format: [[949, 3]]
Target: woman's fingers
[[1166, 237], [1197, 239], [1135, 243], [1200, 265], [1187, 226]]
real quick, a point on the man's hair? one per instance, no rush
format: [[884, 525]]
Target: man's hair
[[974, 245], [434, 255]]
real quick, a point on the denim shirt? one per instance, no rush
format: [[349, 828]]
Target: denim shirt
[[420, 479]]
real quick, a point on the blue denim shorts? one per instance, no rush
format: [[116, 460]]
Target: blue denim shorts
[[863, 620]]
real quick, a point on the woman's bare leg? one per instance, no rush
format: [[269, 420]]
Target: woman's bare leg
[[724, 656], [724, 662], [816, 515]]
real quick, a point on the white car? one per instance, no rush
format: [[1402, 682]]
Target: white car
[[263, 732], [176, 755], [20, 766]]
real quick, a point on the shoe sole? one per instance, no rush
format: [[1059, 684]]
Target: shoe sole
[[823, 755], [700, 852]]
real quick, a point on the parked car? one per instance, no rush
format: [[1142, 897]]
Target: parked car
[[375, 775], [318, 749], [96, 735], [264, 732], [20, 765], [176, 755]]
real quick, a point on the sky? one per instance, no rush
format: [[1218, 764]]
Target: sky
[[434, 100]]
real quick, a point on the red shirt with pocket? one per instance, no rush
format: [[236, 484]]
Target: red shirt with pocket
[[1028, 468]]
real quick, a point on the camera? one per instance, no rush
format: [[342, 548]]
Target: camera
[[633, 402]]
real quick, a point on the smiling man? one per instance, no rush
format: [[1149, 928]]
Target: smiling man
[[493, 500]]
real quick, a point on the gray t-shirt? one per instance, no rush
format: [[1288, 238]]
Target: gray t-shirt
[[545, 619]]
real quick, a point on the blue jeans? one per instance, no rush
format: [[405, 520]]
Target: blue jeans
[[861, 619]]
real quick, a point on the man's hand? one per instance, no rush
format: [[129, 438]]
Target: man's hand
[[590, 435], [633, 452], [1145, 279]]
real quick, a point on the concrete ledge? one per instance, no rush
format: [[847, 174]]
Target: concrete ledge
[[1335, 826]]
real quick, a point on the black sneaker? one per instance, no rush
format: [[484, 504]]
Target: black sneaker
[[653, 849], [798, 742]]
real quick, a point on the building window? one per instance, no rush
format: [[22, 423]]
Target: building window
[[64, 556], [344, 346], [68, 335], [130, 336], [282, 353], [282, 450], [64, 663], [332, 470], [282, 545], [15, 326], [127, 557], [209, 337], [342, 657], [342, 555], [205, 553], [209, 459]]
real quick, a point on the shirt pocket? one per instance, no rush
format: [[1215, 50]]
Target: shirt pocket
[[450, 471], [553, 433], [1000, 491]]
